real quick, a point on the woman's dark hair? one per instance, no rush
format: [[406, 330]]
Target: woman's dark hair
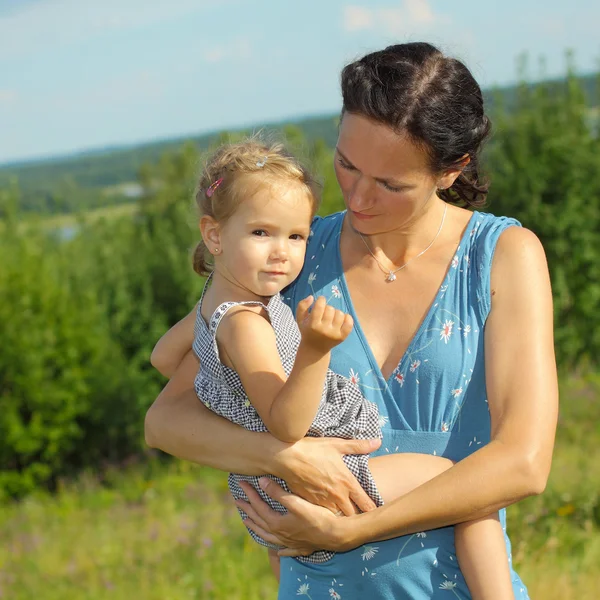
[[414, 88]]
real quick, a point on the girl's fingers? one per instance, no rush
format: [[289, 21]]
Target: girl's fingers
[[338, 319], [347, 326], [328, 315], [302, 311], [316, 314]]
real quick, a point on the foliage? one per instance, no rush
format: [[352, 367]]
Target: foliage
[[544, 165], [82, 306]]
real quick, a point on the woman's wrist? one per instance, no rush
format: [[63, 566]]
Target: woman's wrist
[[346, 533], [276, 456]]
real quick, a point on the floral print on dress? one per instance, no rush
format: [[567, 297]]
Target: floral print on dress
[[353, 377], [369, 552], [446, 330]]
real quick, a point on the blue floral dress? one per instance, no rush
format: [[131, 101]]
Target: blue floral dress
[[434, 402]]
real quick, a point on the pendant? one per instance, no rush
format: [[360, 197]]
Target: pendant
[[391, 277]]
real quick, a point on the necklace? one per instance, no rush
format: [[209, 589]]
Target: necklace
[[391, 275]]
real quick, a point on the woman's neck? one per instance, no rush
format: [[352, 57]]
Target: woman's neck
[[401, 244]]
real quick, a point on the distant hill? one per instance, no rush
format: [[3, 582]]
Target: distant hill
[[106, 167]]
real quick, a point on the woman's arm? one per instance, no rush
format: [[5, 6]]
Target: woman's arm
[[179, 424], [172, 347], [523, 402]]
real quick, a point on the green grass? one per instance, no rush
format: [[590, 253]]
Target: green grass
[[170, 531]]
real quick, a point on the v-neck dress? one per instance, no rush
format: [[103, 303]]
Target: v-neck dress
[[434, 402]]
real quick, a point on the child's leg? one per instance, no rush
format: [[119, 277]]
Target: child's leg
[[481, 553], [480, 547], [274, 562]]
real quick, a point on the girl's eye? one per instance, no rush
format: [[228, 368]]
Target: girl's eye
[[259, 232], [296, 236], [345, 165]]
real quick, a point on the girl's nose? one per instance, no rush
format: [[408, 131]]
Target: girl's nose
[[280, 250]]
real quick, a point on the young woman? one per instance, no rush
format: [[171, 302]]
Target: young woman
[[452, 341]]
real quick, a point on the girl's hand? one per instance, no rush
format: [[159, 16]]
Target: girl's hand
[[313, 469], [304, 529], [322, 327]]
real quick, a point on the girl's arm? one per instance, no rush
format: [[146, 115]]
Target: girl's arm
[[287, 406], [172, 347], [523, 401], [180, 425]]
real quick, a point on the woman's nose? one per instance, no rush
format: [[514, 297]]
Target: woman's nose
[[360, 196]]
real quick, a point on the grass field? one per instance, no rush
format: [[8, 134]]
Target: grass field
[[170, 532]]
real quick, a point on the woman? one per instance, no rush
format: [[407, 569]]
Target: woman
[[452, 339]]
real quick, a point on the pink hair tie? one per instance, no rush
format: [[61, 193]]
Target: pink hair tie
[[210, 190]]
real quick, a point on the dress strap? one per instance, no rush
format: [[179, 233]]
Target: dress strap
[[223, 309], [484, 239]]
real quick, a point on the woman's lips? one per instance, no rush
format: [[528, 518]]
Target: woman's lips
[[362, 216]]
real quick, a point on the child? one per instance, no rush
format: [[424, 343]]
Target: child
[[265, 372]]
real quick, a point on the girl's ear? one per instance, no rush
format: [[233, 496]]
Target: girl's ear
[[211, 234], [450, 175]]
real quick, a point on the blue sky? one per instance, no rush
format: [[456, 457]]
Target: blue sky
[[80, 74]]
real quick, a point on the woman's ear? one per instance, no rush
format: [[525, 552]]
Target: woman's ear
[[211, 234], [450, 175]]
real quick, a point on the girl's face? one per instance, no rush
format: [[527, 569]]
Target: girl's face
[[262, 245], [385, 177]]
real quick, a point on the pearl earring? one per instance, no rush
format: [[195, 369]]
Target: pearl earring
[[216, 250]]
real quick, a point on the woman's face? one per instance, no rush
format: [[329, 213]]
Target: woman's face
[[385, 178]]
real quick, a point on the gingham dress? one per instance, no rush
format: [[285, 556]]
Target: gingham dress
[[343, 411]]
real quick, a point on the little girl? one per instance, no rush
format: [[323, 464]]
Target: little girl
[[265, 371]]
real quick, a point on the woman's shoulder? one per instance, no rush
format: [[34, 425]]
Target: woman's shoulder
[[485, 231], [322, 227]]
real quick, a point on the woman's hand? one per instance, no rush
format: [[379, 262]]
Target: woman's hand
[[304, 529], [313, 469]]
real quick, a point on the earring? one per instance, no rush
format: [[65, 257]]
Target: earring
[[216, 250]]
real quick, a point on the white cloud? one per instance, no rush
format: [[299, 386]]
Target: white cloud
[[64, 22], [8, 96], [412, 16], [239, 49], [357, 18]]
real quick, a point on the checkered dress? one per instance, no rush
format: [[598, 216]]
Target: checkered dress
[[343, 411]]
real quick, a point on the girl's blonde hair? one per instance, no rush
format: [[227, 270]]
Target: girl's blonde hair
[[232, 163]]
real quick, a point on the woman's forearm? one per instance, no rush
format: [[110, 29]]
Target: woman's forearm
[[178, 424], [488, 480]]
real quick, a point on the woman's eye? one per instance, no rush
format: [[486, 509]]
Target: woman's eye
[[345, 165], [391, 188], [259, 232]]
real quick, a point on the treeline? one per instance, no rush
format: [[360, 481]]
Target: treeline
[[92, 179], [79, 317]]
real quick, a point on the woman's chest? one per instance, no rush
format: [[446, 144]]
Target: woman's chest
[[391, 313]]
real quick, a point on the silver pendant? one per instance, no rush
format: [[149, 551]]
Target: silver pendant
[[391, 277]]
